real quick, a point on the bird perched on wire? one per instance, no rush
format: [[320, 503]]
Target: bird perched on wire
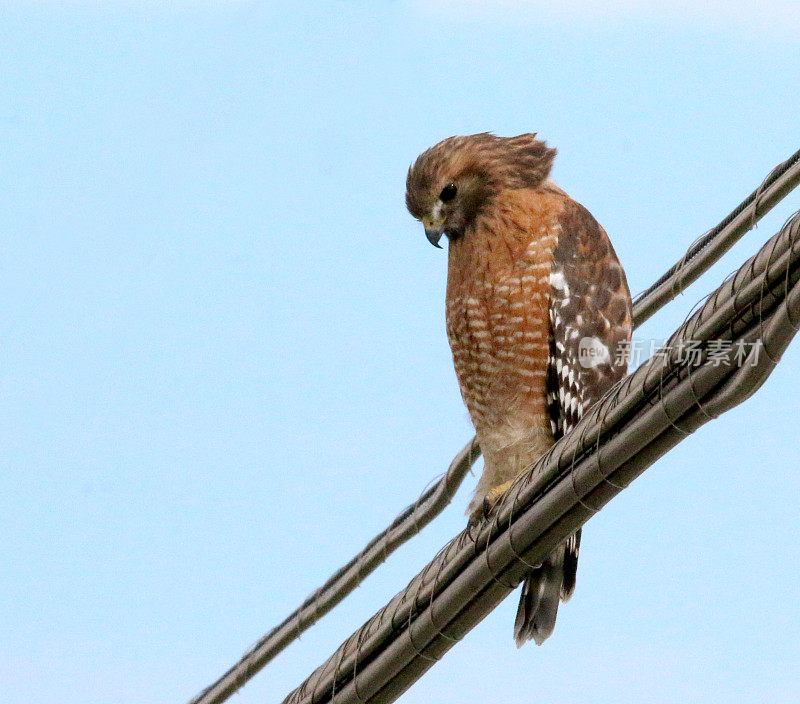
[[538, 318]]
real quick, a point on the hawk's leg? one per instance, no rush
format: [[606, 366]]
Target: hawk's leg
[[489, 503]]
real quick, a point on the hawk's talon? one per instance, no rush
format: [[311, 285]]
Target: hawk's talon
[[475, 519], [489, 505]]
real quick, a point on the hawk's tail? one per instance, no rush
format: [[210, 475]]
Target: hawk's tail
[[544, 587]]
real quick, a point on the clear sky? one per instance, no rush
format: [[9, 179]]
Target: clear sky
[[223, 365]]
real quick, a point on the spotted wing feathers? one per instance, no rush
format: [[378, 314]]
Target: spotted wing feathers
[[590, 324], [590, 318]]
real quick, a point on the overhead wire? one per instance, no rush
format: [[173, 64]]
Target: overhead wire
[[646, 414], [700, 256]]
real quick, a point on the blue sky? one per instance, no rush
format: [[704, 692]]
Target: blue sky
[[223, 365]]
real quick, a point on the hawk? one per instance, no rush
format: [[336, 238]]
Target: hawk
[[538, 318]]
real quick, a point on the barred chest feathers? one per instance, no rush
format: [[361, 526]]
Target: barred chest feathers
[[498, 318]]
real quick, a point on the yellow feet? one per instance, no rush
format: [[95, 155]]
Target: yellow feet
[[496, 493], [491, 500]]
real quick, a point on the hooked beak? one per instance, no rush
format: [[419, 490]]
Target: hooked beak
[[433, 232]]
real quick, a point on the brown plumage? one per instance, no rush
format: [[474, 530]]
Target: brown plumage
[[537, 308]]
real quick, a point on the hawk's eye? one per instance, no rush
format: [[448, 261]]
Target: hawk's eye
[[448, 193]]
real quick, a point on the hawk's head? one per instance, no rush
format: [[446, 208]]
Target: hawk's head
[[453, 181]]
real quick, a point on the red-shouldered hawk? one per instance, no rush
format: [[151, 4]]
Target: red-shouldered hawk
[[538, 310]]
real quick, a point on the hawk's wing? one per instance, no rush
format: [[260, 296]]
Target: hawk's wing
[[590, 326]]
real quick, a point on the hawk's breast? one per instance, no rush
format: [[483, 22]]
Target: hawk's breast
[[498, 319]]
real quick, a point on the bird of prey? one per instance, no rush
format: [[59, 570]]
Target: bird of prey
[[538, 318]]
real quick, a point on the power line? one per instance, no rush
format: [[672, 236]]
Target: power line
[[698, 258], [708, 248], [410, 522], [635, 423]]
